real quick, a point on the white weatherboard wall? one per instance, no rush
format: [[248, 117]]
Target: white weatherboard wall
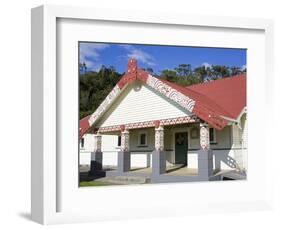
[[225, 150], [240, 135], [245, 141], [140, 155], [140, 103], [109, 148]]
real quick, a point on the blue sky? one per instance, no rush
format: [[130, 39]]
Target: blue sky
[[157, 57]]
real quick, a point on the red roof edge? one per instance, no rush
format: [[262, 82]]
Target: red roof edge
[[84, 125]]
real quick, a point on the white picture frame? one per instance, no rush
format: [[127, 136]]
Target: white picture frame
[[46, 164]]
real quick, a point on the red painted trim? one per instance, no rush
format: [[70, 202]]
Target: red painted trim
[[128, 78], [132, 75], [149, 124], [209, 116], [142, 75], [122, 128], [157, 124], [132, 65]]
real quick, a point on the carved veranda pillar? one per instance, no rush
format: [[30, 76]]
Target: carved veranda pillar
[[205, 154], [159, 138], [125, 140], [158, 155], [97, 142], [96, 155], [124, 155], [204, 136]]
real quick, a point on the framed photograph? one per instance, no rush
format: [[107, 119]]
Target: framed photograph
[[139, 114]]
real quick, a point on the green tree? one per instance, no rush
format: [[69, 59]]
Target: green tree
[[94, 87], [201, 73], [235, 70], [169, 75], [220, 71], [183, 70]]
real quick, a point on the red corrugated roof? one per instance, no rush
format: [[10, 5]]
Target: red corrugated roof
[[84, 125], [199, 97], [228, 93]]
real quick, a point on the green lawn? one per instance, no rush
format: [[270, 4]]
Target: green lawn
[[94, 183]]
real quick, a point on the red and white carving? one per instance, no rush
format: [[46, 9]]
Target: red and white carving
[[148, 124], [132, 66], [97, 142], [201, 108], [204, 136], [171, 93], [179, 120], [133, 74], [159, 138], [105, 104], [125, 140]]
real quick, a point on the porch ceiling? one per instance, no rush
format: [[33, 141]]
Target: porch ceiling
[[148, 124]]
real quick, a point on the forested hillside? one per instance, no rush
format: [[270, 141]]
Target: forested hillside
[[94, 86]]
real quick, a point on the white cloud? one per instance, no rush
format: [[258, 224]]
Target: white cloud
[[90, 54], [243, 67], [206, 65], [93, 65], [138, 54]]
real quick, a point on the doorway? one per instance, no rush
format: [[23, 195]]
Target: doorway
[[181, 147]]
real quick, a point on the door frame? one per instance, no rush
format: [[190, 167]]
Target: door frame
[[186, 163], [179, 130]]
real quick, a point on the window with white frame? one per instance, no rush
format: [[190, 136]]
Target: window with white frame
[[119, 141], [142, 139], [212, 136]]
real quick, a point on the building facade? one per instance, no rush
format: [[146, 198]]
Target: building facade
[[147, 122]]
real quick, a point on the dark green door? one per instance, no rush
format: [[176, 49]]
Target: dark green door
[[181, 148]]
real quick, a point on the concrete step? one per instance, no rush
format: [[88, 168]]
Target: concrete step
[[124, 179]]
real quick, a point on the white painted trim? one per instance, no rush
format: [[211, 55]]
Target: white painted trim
[[179, 130], [244, 110], [118, 146], [80, 143], [106, 104], [215, 135], [139, 138]]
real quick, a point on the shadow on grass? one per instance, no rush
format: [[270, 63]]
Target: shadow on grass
[[86, 176], [86, 180]]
